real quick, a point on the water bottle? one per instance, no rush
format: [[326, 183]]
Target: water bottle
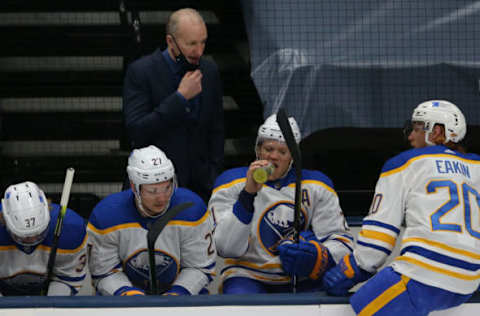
[[260, 175]]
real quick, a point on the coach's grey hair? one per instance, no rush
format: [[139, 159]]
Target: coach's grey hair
[[174, 18]]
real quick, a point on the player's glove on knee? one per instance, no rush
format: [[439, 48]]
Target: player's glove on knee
[[308, 257], [338, 280], [129, 291], [177, 290]]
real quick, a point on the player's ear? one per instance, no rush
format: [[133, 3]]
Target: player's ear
[[438, 134], [169, 39]]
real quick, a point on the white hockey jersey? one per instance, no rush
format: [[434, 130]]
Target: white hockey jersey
[[184, 251], [435, 191], [24, 269], [249, 242]]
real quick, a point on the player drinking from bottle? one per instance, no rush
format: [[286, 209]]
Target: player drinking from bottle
[[255, 221]]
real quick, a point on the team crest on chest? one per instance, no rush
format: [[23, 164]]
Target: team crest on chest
[[137, 268], [276, 223]]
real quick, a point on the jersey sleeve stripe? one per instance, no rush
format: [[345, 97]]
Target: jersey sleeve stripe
[[253, 265], [349, 245], [376, 247], [189, 223], [113, 228], [335, 236], [210, 266], [316, 182], [279, 278], [442, 246], [71, 279], [226, 270], [348, 237], [435, 256], [66, 251], [256, 274], [380, 224], [438, 269], [325, 238], [343, 239], [229, 184], [113, 271], [6, 248], [399, 169], [101, 276], [378, 236], [79, 248]]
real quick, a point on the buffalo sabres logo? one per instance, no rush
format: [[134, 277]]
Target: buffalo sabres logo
[[276, 223], [138, 270]]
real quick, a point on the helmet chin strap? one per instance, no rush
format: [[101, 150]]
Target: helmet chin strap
[[288, 169]]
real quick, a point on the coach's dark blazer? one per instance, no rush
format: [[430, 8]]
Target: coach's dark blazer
[[155, 115]]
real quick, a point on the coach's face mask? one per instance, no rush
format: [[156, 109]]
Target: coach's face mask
[[182, 61]]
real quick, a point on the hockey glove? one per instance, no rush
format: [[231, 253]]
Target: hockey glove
[[306, 258], [129, 291], [338, 280]]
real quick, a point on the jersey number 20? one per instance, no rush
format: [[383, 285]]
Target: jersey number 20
[[454, 200]]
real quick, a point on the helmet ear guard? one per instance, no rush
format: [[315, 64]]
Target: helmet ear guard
[[441, 112], [26, 213]]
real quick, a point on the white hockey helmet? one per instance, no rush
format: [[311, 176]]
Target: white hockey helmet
[[149, 165], [271, 130], [441, 112], [26, 213]]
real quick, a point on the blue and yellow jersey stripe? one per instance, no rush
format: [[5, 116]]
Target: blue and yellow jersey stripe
[[441, 258], [406, 158], [118, 211], [235, 176], [264, 272], [378, 235], [138, 226]]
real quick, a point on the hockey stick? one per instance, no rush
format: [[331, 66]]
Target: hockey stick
[[282, 120], [152, 236], [287, 132], [58, 228]]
